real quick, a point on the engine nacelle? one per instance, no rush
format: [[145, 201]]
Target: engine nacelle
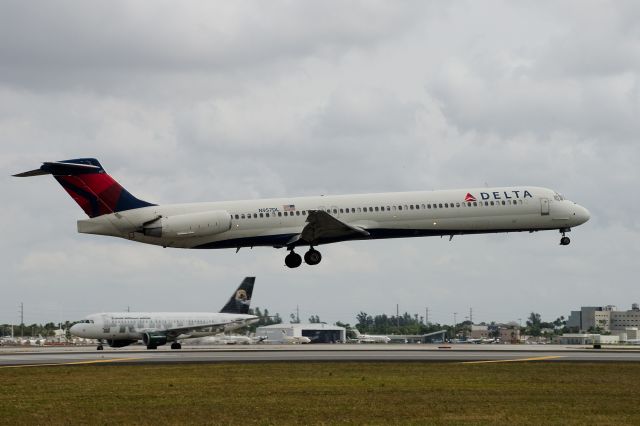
[[151, 339], [119, 343], [189, 225]]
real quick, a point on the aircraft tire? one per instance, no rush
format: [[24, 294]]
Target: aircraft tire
[[564, 241], [152, 347], [312, 257], [176, 345], [293, 260], [100, 348]]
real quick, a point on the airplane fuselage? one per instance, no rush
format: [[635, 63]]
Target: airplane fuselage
[[275, 222], [133, 325]]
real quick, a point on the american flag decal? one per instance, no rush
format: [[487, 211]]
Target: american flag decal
[[289, 207], [469, 197]]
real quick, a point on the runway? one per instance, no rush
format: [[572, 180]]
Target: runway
[[12, 357]]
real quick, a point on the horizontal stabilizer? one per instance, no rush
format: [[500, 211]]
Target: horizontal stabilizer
[[65, 168]]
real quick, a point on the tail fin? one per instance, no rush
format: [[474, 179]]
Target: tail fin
[[89, 185], [241, 299]]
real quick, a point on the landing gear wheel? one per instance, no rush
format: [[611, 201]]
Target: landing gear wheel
[[152, 347], [176, 345], [293, 260], [564, 241], [312, 257], [100, 348]]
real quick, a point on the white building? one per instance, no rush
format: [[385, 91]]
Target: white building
[[606, 318], [586, 339], [316, 332]]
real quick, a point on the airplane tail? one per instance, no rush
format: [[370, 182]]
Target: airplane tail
[[89, 185], [356, 332], [241, 299]]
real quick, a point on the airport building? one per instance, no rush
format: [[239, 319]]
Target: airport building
[[606, 318], [586, 339], [315, 332], [507, 333]]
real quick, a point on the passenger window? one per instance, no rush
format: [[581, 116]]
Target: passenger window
[[297, 213], [475, 203], [388, 208], [261, 215], [376, 208], [446, 205], [242, 216], [304, 212], [399, 207], [428, 206], [424, 207], [280, 214], [486, 203], [237, 217], [341, 210], [266, 214], [353, 210], [492, 203], [503, 203], [457, 204], [440, 205], [411, 206]]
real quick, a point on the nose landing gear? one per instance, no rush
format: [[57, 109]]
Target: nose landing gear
[[564, 241]]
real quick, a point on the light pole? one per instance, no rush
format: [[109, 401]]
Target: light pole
[[454, 324]]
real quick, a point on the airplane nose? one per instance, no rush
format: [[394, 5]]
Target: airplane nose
[[582, 214], [75, 329]]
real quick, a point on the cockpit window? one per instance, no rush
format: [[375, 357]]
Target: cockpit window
[[558, 197]]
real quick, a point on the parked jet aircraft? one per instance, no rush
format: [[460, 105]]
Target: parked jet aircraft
[[121, 329], [308, 221], [369, 338]]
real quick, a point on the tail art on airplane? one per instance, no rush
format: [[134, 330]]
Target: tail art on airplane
[[89, 185], [241, 299]]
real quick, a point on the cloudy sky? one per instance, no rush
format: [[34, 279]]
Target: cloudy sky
[[203, 101]]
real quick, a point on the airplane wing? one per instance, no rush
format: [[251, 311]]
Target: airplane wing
[[213, 327], [322, 226]]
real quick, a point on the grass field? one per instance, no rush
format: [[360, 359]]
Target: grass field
[[323, 393]]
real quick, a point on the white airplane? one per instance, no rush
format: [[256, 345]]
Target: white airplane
[[121, 329], [225, 339], [369, 338], [285, 338], [308, 221]]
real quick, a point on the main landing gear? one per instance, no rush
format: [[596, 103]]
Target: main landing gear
[[311, 257], [176, 345], [100, 347], [564, 241]]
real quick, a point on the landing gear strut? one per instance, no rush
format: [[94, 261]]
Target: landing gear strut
[[293, 259], [176, 345], [100, 347], [312, 257], [564, 241]]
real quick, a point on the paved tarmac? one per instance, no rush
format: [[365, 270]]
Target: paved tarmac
[[11, 357]]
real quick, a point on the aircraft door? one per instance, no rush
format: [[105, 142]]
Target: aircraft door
[[544, 206]]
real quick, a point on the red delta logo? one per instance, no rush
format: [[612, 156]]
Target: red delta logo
[[469, 197]]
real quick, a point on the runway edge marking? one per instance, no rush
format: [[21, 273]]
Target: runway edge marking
[[540, 358], [97, 361]]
